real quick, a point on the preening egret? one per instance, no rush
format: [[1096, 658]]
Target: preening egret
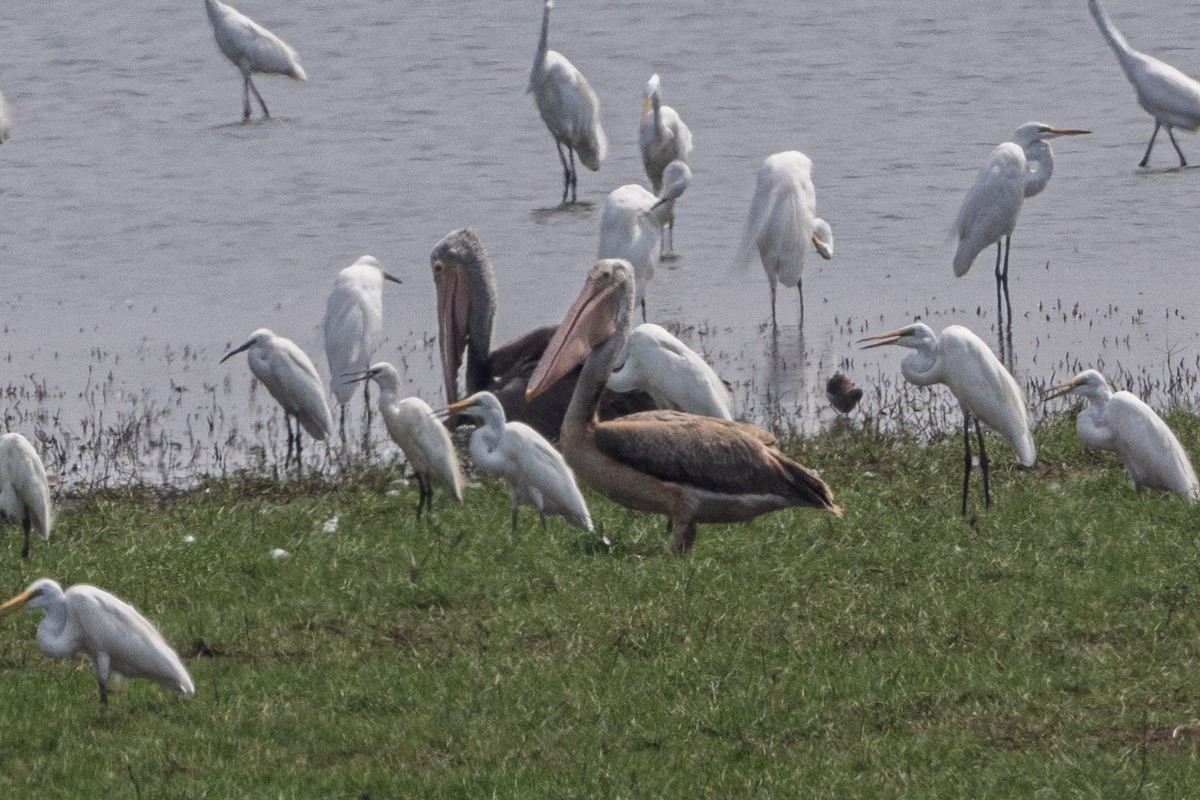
[[657, 363], [423, 438], [1171, 97], [842, 394], [959, 360], [534, 471], [569, 108], [783, 222], [24, 492], [251, 48], [1015, 170], [630, 230], [109, 631], [691, 468], [466, 296], [290, 377], [5, 120], [663, 138], [354, 328], [1121, 422]]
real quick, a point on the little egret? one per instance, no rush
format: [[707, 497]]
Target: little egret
[[569, 108], [109, 631], [534, 471], [1121, 422], [959, 360], [251, 48], [24, 492], [673, 374], [423, 438], [663, 138], [290, 377]]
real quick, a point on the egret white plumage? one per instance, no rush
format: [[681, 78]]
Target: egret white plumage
[[631, 228], [354, 328], [663, 138], [118, 640], [783, 222], [986, 391], [1168, 95], [569, 108], [534, 471], [423, 438], [1123, 423], [252, 48], [657, 363], [290, 377], [1015, 170], [24, 492]]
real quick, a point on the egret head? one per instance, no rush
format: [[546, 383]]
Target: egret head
[[382, 373], [1032, 132], [651, 94], [1089, 383], [39, 595], [371, 261], [915, 336], [480, 406], [822, 238], [260, 336]]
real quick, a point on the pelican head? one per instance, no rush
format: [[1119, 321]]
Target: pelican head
[[1088, 383], [822, 238], [915, 336], [39, 595], [1032, 132], [604, 305], [651, 94], [260, 336], [466, 298]]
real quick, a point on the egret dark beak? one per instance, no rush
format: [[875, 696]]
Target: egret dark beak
[[235, 351]]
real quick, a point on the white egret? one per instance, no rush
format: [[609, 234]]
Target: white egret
[[290, 377], [5, 120], [24, 492], [423, 438], [1171, 97], [534, 471], [986, 391], [674, 375], [569, 108], [354, 328], [1121, 422], [631, 228], [663, 138], [1015, 170], [109, 631], [783, 222], [841, 393], [251, 48]]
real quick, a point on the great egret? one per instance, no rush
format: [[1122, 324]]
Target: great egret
[[5, 120], [109, 631], [569, 108], [354, 328], [1015, 170], [959, 360], [290, 377], [630, 230], [534, 471], [466, 297], [425, 441], [663, 138], [24, 492], [1171, 97], [691, 468], [251, 48], [841, 393], [657, 363], [783, 222], [1121, 422]]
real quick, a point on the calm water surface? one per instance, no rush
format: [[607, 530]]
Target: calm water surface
[[143, 231]]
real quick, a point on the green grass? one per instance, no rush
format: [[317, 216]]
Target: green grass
[[1046, 648]]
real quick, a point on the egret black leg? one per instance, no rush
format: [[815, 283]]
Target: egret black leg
[[342, 424], [574, 174], [983, 463], [966, 459], [246, 97], [253, 88], [291, 440], [1149, 147], [367, 430], [800, 288], [420, 494], [566, 170], [299, 462], [1182, 160], [1004, 277], [643, 309], [26, 524], [514, 516], [774, 324]]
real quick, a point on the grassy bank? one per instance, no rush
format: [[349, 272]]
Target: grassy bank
[[1048, 647]]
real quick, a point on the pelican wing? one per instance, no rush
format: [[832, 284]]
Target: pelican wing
[[517, 357]]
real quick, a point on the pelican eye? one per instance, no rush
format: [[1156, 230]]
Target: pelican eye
[[437, 266]]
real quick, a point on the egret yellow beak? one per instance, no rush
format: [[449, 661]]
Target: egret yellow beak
[[1061, 388], [460, 405], [16, 603], [891, 337], [1068, 131], [646, 107]]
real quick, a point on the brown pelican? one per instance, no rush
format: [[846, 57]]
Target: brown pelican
[[466, 297], [691, 468]]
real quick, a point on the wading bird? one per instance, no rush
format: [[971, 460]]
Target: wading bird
[[109, 631], [354, 328], [783, 223], [24, 492], [251, 48], [5, 120], [290, 377], [466, 297], [569, 108], [629, 229], [986, 391], [425, 441], [663, 138], [673, 374], [693, 469], [534, 471], [1171, 97], [1121, 422], [1015, 170], [842, 394]]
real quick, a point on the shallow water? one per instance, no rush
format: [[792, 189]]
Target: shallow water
[[144, 231]]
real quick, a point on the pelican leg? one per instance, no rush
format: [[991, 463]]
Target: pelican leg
[[1171, 133], [983, 462], [566, 170], [966, 459], [683, 537], [245, 97], [253, 88], [1149, 147], [574, 174]]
